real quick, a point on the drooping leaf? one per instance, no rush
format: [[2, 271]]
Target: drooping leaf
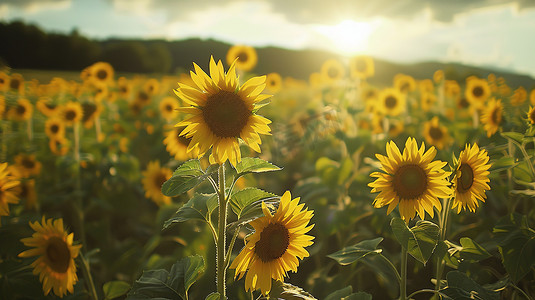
[[254, 165], [353, 253], [187, 176], [514, 136], [114, 289], [461, 287], [516, 242], [472, 250], [200, 207], [420, 240], [171, 284]]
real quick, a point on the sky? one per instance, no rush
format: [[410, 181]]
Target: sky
[[495, 33]]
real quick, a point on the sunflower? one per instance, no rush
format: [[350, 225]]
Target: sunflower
[[124, 86], [151, 87], [46, 107], [369, 94], [314, 79], [55, 264], [142, 98], [177, 145], [274, 82], [492, 116], [22, 111], [54, 128], [2, 106], [404, 83], [244, 57], [4, 81], [520, 95], [168, 108], [332, 71], [452, 88], [531, 115], [91, 111], [462, 103], [101, 73], [471, 177], [412, 180], [59, 145], [426, 86], [395, 128], [435, 134], [9, 189], [275, 246], [101, 93], [153, 179], [427, 100], [438, 76], [72, 113], [27, 192], [392, 102], [27, 165], [361, 66], [532, 97], [16, 83], [222, 112], [85, 74], [477, 91]]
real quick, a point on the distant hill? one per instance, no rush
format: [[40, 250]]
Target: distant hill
[[28, 47]]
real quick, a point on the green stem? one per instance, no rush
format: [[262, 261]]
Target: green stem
[[229, 251], [521, 291], [221, 240], [403, 285], [443, 230], [527, 159], [424, 291], [89, 279], [398, 277]]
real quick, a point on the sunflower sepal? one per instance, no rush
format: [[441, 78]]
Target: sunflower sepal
[[171, 284], [187, 176], [420, 240], [199, 207]]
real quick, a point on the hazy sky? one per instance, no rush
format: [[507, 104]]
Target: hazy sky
[[498, 33]]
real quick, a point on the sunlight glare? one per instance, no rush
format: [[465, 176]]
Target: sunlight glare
[[348, 37]]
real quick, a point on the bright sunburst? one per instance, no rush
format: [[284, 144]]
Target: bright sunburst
[[348, 37]]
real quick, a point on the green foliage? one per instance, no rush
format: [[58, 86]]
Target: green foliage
[[286, 291], [353, 253], [516, 242], [461, 286], [254, 165], [472, 251], [420, 240], [213, 296], [168, 285], [247, 203], [187, 176], [114, 289], [200, 207], [347, 294]]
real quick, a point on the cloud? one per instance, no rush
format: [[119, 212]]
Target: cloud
[[325, 12], [33, 6]]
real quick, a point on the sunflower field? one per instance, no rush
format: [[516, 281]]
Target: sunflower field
[[221, 183]]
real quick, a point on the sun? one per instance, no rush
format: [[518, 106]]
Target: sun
[[348, 37]]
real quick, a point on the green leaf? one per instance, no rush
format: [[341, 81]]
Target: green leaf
[[200, 207], [345, 170], [353, 253], [514, 136], [286, 291], [504, 163], [420, 240], [339, 294], [168, 285], [241, 200], [358, 296], [472, 250], [114, 289], [516, 242], [254, 165], [213, 296], [187, 176], [461, 286]]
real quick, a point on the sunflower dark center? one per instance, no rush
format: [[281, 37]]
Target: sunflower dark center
[[391, 102], [159, 179], [28, 163], [496, 116], [226, 114], [436, 133], [410, 181], [465, 181], [169, 107], [477, 91], [70, 115], [464, 103], [14, 84], [243, 57], [532, 116], [143, 97], [182, 139], [54, 128], [89, 109], [24, 191], [50, 106], [2, 81], [273, 243], [58, 255], [123, 89], [21, 109], [102, 74]]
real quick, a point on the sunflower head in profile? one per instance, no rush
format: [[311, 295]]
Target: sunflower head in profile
[[71, 113], [520, 95], [477, 91], [531, 115], [438, 76], [9, 189], [55, 264], [361, 66], [404, 83], [59, 145], [168, 108], [22, 111], [392, 102], [275, 246], [412, 180], [492, 116], [273, 82], [46, 107], [243, 57], [221, 112], [435, 134], [101, 73], [153, 179], [27, 165], [532, 97], [54, 128], [332, 71], [471, 178], [4, 81]]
